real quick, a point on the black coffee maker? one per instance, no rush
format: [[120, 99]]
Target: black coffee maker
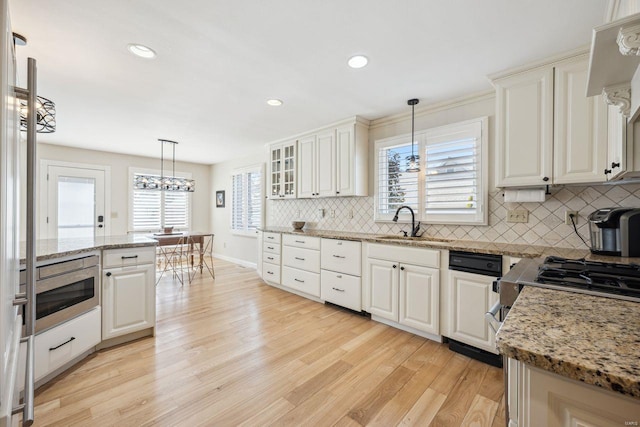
[[615, 231]]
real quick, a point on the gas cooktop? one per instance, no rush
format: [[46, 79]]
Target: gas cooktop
[[613, 280]]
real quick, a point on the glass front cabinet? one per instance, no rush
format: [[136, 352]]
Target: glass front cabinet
[[282, 171]]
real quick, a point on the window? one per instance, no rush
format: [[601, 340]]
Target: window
[[451, 186], [151, 210], [246, 200]]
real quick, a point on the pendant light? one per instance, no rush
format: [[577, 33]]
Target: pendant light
[[165, 183], [413, 164]]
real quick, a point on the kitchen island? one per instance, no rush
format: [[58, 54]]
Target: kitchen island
[[571, 356]]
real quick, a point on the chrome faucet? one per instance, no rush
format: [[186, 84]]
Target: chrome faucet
[[414, 228]]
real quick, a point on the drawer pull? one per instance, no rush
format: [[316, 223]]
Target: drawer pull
[[58, 346], [339, 243], [129, 257], [270, 237], [339, 290], [300, 241], [339, 276], [298, 280], [270, 257], [338, 256], [299, 259], [270, 247], [270, 272]]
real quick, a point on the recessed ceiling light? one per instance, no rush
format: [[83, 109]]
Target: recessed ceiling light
[[358, 61], [274, 102], [141, 50]]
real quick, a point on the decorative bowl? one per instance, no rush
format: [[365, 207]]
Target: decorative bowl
[[297, 225]]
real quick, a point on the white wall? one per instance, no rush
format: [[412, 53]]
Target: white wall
[[202, 199], [233, 247]]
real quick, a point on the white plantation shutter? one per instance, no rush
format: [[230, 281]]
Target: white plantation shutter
[[395, 186], [246, 200], [153, 209], [455, 186]]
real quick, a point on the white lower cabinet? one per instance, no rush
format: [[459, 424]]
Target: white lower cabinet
[[470, 297], [301, 264], [403, 292], [128, 299], [543, 398], [341, 289], [270, 250], [300, 280], [340, 281], [57, 346]]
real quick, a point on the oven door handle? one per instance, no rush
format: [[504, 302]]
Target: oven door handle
[[491, 318]]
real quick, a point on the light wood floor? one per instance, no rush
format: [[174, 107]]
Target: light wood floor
[[236, 351]]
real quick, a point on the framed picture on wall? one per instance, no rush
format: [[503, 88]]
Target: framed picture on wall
[[220, 199]]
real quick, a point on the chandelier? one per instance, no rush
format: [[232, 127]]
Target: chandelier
[[164, 183]]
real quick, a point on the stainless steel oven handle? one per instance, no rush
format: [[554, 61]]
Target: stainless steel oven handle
[[27, 407], [491, 318]]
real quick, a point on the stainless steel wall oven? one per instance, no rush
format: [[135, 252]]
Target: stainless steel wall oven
[[65, 290]]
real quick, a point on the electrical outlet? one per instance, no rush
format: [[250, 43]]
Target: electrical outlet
[[567, 217], [517, 215], [332, 213], [350, 215], [321, 213]]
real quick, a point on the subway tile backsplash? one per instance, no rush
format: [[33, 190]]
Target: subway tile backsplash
[[546, 225]]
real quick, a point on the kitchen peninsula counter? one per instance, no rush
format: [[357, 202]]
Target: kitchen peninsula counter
[[591, 339], [56, 248]]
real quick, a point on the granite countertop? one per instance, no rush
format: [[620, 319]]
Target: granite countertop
[[56, 248], [509, 249], [591, 339]]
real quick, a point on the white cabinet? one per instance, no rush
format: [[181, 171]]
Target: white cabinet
[[260, 235], [548, 131], [128, 291], [616, 144], [470, 297], [270, 248], [317, 171], [340, 281], [301, 264], [282, 170], [548, 399], [400, 290]]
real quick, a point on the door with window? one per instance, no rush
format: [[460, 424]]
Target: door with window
[[75, 202]]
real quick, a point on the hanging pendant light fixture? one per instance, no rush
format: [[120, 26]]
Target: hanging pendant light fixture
[[413, 164], [165, 183]]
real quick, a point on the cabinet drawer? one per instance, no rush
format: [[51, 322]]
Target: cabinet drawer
[[272, 248], [271, 258], [341, 289], [271, 237], [301, 241], [342, 256], [129, 256], [408, 255], [300, 280], [271, 272], [303, 259], [59, 345]]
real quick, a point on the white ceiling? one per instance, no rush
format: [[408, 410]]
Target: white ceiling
[[219, 61]]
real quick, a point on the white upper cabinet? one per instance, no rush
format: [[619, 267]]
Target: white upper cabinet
[[331, 162], [282, 170], [548, 131], [524, 122], [617, 143], [580, 127]]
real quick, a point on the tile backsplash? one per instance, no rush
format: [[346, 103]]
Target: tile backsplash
[[546, 225]]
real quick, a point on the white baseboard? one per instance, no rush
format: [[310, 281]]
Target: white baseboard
[[236, 261]]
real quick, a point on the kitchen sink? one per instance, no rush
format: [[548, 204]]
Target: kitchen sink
[[419, 239]]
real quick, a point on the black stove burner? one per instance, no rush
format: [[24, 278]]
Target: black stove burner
[[609, 278]]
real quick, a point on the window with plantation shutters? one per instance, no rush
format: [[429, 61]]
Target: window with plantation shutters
[[246, 200], [455, 176], [151, 210], [451, 186]]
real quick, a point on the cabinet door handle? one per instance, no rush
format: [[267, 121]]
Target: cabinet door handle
[[339, 243], [298, 280], [338, 256], [337, 192], [339, 276], [615, 165], [402, 268], [545, 179], [129, 257], [108, 274], [339, 290], [394, 266], [60, 345], [299, 259], [607, 171]]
